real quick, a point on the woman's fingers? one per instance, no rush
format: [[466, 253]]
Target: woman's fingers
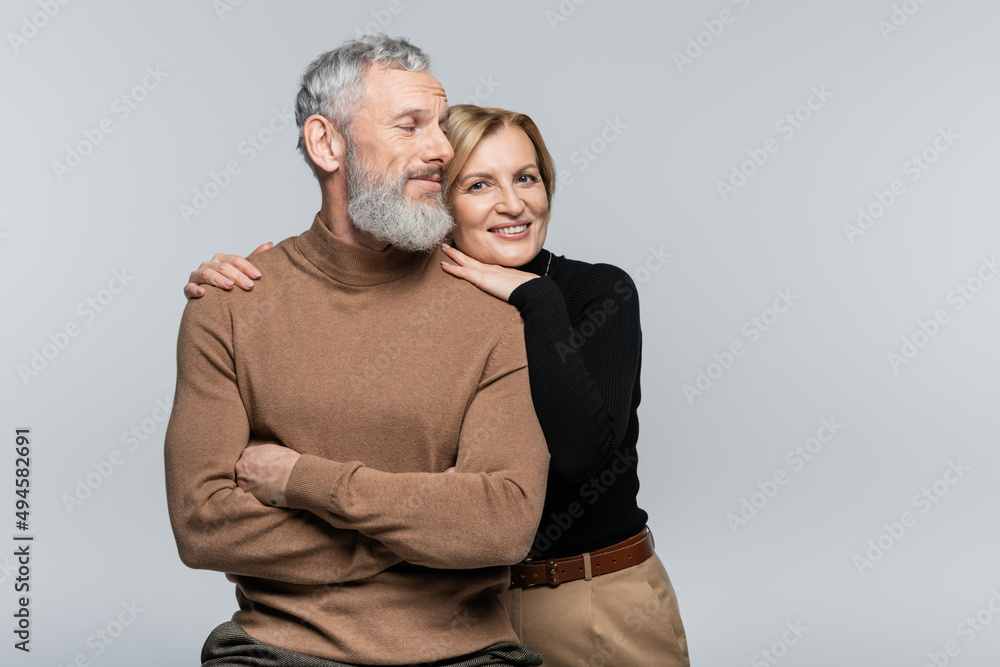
[[458, 256], [224, 271], [464, 272], [245, 270], [262, 248], [236, 268], [206, 275], [194, 291], [499, 281]]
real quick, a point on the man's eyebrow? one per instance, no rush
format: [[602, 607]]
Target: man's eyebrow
[[415, 112]]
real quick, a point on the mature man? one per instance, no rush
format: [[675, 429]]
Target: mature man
[[376, 372]]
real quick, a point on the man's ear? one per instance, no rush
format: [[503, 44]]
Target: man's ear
[[324, 142]]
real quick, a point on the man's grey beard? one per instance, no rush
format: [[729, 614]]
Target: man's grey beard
[[380, 207]]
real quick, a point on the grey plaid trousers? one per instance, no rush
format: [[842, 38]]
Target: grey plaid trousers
[[230, 646]]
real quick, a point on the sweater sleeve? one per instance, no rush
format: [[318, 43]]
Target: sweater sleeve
[[582, 372], [484, 514], [216, 524]]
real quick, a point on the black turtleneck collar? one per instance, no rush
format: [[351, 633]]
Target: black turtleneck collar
[[540, 263]]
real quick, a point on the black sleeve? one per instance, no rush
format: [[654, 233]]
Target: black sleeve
[[582, 372]]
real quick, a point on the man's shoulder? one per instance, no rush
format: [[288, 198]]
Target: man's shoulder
[[276, 265], [279, 258], [465, 300]]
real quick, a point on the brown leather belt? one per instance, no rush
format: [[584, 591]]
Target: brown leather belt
[[555, 571]]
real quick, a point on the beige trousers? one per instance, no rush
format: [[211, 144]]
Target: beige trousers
[[627, 618]]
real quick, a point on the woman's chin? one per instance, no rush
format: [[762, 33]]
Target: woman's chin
[[498, 251], [513, 258]]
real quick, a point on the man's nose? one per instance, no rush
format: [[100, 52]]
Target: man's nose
[[438, 149]]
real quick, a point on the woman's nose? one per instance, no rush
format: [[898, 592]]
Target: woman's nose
[[509, 202]]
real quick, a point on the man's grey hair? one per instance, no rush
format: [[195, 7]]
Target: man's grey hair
[[333, 84]]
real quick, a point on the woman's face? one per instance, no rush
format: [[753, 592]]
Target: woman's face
[[499, 202]]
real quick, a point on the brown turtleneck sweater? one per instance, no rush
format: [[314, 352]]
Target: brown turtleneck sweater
[[382, 371]]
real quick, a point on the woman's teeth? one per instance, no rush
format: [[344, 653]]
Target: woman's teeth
[[517, 229]]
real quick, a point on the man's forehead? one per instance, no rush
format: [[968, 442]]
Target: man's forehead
[[391, 90]]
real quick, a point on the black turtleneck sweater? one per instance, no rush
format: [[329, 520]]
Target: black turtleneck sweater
[[584, 345]]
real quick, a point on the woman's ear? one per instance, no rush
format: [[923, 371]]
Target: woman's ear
[[325, 143]]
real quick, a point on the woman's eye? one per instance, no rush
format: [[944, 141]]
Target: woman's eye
[[526, 178], [477, 186]]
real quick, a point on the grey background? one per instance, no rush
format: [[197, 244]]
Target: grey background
[[574, 68]]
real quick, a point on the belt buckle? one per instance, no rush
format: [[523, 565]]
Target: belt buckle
[[552, 572], [525, 583]]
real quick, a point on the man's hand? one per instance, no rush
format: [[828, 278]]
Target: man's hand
[[263, 470], [224, 271]]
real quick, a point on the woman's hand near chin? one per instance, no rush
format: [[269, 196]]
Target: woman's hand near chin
[[224, 271], [499, 281]]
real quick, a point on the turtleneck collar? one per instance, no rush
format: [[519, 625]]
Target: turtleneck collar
[[353, 264], [540, 262]]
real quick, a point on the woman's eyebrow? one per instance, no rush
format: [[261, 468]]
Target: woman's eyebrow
[[482, 174], [478, 174]]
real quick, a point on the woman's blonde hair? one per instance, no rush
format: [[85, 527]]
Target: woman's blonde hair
[[468, 124]]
